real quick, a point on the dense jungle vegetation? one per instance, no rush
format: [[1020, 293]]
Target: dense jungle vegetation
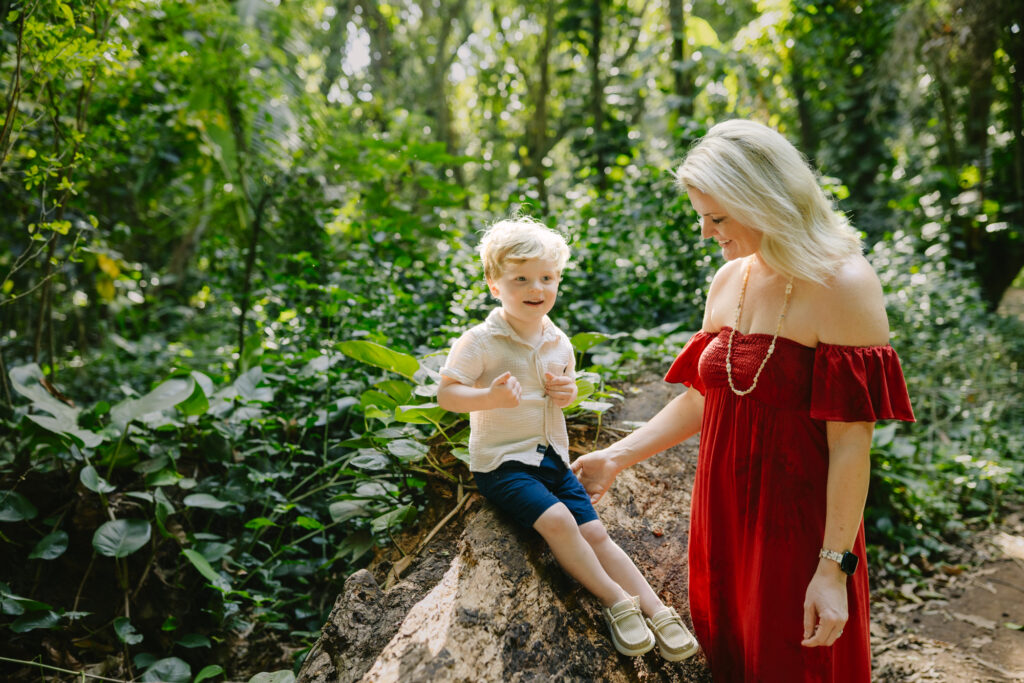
[[237, 239]]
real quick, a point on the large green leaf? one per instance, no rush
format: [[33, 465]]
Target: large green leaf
[[194, 640], [342, 510], [121, 537], [407, 449], [584, 341], [50, 546], [699, 33], [12, 604], [33, 620], [380, 356], [424, 413], [397, 389], [206, 569], [91, 480], [372, 397], [196, 403], [208, 671], [25, 379], [62, 418], [168, 394], [15, 507], [62, 425], [168, 670], [126, 632], [163, 509], [393, 518], [283, 676], [248, 386], [205, 500], [370, 459]]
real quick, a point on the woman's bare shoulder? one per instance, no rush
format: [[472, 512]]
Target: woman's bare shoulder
[[851, 306], [721, 284]]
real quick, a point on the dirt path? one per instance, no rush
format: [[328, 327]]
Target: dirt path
[[952, 630]]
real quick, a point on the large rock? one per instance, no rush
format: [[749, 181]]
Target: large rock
[[504, 610]]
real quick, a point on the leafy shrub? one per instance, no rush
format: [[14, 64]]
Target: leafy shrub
[[955, 466]]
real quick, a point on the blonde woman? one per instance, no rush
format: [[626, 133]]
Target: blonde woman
[[790, 371]]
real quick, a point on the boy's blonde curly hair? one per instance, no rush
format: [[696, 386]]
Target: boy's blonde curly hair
[[517, 239]]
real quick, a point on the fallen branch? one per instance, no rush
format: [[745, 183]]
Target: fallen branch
[[77, 674]]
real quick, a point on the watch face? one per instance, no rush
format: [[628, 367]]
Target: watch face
[[849, 563]]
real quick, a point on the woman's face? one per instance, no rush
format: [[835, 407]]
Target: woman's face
[[736, 239]]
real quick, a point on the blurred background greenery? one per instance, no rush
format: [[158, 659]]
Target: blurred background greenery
[[238, 237]]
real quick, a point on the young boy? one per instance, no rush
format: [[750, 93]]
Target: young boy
[[513, 374]]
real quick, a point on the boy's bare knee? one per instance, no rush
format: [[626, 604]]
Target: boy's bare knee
[[555, 521], [594, 532]]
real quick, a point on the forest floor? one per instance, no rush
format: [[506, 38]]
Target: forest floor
[[958, 624]]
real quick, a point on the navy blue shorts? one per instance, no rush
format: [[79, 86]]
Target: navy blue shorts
[[526, 491]]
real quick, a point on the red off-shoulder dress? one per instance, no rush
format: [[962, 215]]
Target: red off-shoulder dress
[[758, 510]]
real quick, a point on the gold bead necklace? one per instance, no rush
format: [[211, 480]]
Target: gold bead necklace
[[771, 347]]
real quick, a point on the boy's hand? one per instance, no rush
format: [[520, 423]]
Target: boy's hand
[[505, 391], [561, 389]]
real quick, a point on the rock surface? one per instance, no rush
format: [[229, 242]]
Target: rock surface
[[503, 610]]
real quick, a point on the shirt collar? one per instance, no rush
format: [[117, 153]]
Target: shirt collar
[[497, 325]]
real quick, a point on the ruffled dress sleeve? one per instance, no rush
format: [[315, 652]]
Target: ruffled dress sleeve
[[684, 368], [858, 384]]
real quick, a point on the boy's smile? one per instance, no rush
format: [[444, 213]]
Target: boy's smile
[[527, 291]]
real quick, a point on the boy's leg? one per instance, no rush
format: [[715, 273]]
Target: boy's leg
[[620, 567], [520, 491], [576, 556]]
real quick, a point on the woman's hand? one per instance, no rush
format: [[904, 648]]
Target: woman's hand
[[825, 606], [596, 471]]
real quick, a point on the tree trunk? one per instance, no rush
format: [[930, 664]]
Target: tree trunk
[[185, 249], [337, 40], [443, 57], [597, 94], [256, 229], [14, 89], [501, 609], [1004, 254], [808, 135], [538, 143], [680, 72]]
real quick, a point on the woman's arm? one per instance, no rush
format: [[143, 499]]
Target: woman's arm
[[852, 313], [849, 469], [676, 422]]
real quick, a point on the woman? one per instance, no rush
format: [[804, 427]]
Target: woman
[[786, 379]]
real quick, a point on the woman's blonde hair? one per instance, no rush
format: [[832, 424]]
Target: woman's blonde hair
[[764, 182], [517, 239]]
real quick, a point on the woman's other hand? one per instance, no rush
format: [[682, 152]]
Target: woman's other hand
[[825, 606]]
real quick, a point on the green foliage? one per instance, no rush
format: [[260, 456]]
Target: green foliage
[[239, 239], [953, 470]]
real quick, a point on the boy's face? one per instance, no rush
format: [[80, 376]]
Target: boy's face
[[527, 289]]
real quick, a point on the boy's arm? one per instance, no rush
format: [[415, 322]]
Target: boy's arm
[[504, 392]]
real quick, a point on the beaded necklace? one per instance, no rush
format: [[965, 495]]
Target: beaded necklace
[[771, 347]]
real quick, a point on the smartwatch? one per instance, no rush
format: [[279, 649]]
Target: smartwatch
[[847, 560]]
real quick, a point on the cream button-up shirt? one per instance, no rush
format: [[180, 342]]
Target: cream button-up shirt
[[522, 433]]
